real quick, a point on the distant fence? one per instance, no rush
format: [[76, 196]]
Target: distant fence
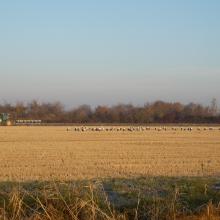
[[28, 122]]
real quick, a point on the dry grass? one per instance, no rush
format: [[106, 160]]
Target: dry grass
[[69, 201], [52, 153]]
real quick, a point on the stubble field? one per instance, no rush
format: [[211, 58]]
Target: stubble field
[[53, 153]]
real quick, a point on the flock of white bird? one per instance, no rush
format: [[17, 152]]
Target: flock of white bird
[[138, 128]]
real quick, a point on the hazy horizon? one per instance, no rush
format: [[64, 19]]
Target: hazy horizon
[[110, 52]]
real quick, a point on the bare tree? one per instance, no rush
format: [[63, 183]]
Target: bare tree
[[214, 107]]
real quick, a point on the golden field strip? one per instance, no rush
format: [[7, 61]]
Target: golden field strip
[[53, 153]]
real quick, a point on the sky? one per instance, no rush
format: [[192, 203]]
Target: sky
[[110, 51]]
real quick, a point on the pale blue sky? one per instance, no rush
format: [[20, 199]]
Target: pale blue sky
[[106, 52]]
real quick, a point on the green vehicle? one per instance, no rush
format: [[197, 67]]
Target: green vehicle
[[5, 119]]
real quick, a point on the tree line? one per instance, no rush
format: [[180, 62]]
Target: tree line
[[155, 112]]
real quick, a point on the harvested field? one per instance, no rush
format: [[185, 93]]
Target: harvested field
[[53, 153]]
